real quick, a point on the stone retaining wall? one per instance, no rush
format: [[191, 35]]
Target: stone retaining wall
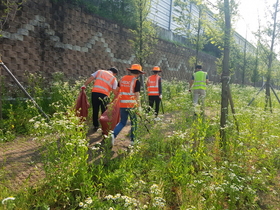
[[46, 38]]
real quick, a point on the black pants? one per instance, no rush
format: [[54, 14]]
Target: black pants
[[98, 101], [154, 100]]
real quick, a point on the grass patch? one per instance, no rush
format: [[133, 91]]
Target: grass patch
[[178, 164]]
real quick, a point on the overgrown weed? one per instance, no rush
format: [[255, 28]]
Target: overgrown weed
[[178, 164]]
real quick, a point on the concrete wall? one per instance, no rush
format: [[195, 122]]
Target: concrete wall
[[46, 38]]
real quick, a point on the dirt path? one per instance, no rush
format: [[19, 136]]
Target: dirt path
[[21, 162]]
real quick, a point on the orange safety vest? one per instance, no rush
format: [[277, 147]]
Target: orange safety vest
[[152, 85], [127, 86], [103, 82]]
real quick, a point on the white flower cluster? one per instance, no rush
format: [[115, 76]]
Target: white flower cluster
[[132, 203], [140, 183], [86, 203], [96, 146], [134, 149], [154, 189], [128, 201], [179, 134], [159, 202]]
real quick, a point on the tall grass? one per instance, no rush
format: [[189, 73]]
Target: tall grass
[[178, 164]]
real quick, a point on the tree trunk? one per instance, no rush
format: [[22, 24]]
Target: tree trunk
[[225, 76], [198, 37], [244, 62], [141, 62], [268, 96], [270, 58], [1, 92], [256, 75]]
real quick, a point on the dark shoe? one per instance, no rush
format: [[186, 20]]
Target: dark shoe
[[95, 129]]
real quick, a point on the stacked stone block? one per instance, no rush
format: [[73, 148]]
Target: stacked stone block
[[45, 38]]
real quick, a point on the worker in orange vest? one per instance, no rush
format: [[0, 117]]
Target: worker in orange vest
[[105, 82], [129, 92], [154, 89]]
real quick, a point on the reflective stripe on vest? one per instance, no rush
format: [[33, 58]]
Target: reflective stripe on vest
[[103, 82], [152, 85], [127, 96], [199, 80]]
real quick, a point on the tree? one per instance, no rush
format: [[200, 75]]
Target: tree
[[190, 25], [236, 63], [144, 38], [267, 41], [257, 62], [145, 33], [272, 32], [221, 35], [244, 60], [242, 64], [225, 74]]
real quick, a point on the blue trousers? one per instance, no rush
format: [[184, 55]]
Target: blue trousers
[[125, 112]]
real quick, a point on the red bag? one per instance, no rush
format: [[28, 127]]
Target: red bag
[[82, 105], [111, 117]]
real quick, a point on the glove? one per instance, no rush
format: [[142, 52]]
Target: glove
[[83, 87], [160, 96], [190, 90]]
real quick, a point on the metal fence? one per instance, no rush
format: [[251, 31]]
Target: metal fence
[[163, 11]]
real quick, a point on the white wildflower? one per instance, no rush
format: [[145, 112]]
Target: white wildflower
[[88, 200], [108, 197], [8, 198]]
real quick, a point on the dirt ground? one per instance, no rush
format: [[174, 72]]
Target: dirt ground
[[21, 163]]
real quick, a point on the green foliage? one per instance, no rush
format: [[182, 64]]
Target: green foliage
[[18, 110], [8, 11], [65, 162], [192, 26], [216, 31], [178, 164], [121, 11], [144, 34]]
